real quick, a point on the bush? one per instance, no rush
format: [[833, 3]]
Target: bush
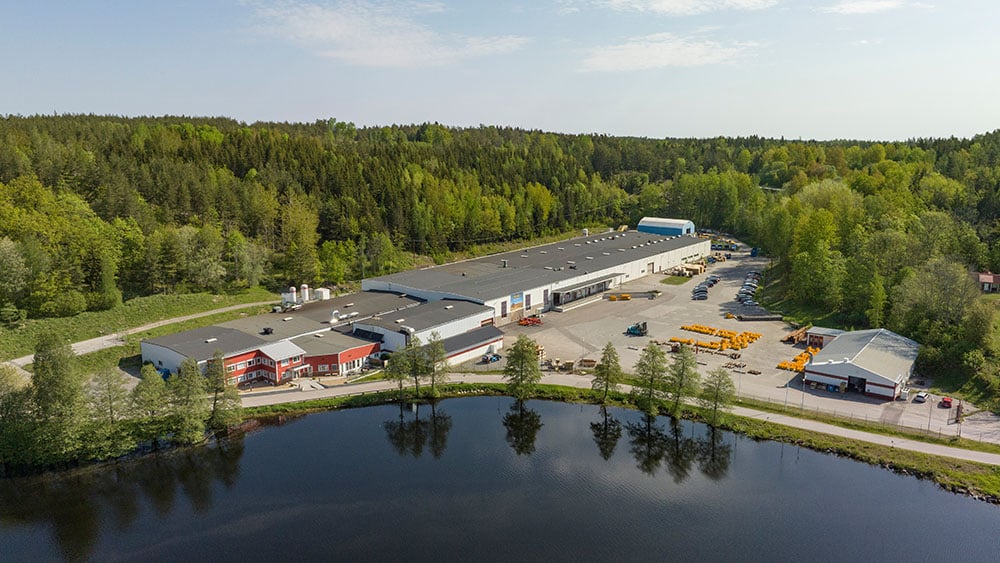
[[66, 304]]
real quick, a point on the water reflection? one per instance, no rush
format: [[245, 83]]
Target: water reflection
[[522, 426], [648, 443], [606, 432], [409, 437], [74, 504], [652, 447], [714, 455]]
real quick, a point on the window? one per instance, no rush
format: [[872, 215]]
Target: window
[[252, 362], [284, 362], [527, 300], [230, 368], [324, 367], [241, 365]]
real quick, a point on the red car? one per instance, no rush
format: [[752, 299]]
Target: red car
[[945, 403]]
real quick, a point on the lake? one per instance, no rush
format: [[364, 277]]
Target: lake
[[484, 478]]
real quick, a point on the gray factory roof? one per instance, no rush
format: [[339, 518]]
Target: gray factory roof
[[471, 339], [316, 315], [877, 350], [428, 315], [201, 343], [566, 261], [329, 342]]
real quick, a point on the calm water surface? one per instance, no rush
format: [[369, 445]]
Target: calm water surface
[[486, 479]]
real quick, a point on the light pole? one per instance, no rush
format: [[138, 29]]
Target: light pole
[[739, 385]]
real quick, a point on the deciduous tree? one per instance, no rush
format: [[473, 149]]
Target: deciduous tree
[[650, 371], [717, 393]]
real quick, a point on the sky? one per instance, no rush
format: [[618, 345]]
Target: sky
[[811, 69]]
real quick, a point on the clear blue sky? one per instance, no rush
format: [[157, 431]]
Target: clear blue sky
[[811, 69]]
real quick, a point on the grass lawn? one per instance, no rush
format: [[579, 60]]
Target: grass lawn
[[675, 280], [19, 342], [128, 356]]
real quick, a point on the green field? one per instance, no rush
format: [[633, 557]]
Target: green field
[[135, 312]]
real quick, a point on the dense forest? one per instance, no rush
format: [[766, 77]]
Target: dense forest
[[96, 209]]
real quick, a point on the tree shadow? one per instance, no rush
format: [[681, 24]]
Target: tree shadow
[[606, 433], [522, 426]]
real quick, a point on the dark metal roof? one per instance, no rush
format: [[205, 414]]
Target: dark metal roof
[[428, 315], [471, 339], [201, 343], [487, 278]]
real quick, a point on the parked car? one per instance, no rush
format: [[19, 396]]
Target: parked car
[[920, 397], [700, 297], [490, 358], [945, 403]]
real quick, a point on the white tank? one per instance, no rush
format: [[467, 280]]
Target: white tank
[[295, 298], [305, 293]]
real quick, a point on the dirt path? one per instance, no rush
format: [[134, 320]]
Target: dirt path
[[292, 395], [111, 340]]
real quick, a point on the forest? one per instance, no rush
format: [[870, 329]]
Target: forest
[[95, 210]]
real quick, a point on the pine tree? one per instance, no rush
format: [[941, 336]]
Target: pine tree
[[682, 379], [189, 403], [226, 409], [607, 373], [717, 393], [522, 371], [650, 370]]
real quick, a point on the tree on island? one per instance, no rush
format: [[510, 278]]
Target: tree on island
[[607, 373], [522, 372]]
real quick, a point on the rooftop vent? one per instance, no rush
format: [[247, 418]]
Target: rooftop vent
[[548, 267], [524, 256], [543, 251], [578, 244], [449, 306], [210, 340], [570, 262], [561, 248], [318, 335], [351, 305], [606, 253], [286, 319], [400, 321], [621, 250], [591, 257], [503, 263]]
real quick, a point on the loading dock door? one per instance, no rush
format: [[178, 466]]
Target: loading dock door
[[649, 267], [857, 384]]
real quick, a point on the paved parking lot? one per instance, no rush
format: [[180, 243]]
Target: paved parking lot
[[583, 331]]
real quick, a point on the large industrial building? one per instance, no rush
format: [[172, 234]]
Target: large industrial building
[[461, 304], [876, 362], [526, 282]]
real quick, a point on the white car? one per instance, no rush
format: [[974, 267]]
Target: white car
[[921, 397]]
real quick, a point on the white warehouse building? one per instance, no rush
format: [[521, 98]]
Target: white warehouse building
[[525, 282], [876, 362]]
